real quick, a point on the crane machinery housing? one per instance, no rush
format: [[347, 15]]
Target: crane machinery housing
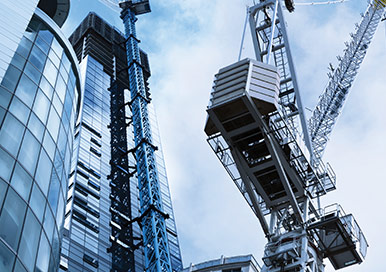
[[257, 128]]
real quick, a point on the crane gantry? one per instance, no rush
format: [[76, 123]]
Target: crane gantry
[[257, 128]]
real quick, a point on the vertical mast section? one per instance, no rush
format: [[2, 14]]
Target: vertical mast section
[[331, 101], [152, 216], [271, 45]]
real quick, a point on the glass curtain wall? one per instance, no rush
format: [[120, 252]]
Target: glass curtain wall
[[88, 218], [38, 106]]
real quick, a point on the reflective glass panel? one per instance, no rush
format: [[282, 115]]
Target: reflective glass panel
[[19, 109], [43, 172], [21, 182], [44, 254], [11, 218], [7, 258], [29, 152], [11, 134], [26, 90], [29, 240]]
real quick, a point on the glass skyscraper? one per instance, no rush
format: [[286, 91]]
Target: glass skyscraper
[[103, 187], [40, 98]]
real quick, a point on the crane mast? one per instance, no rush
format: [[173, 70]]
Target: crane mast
[[257, 129], [342, 77], [157, 255]]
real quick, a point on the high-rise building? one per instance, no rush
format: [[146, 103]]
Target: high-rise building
[[40, 98], [103, 187]]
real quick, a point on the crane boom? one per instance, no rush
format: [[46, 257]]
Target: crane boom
[[331, 101]]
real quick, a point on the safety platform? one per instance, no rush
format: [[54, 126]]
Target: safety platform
[[244, 110], [283, 250], [339, 237]]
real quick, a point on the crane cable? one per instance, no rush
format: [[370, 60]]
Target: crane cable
[[321, 3]]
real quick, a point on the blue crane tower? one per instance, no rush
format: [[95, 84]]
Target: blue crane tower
[[152, 217], [257, 128]]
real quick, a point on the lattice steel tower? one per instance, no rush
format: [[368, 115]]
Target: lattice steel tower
[[152, 217], [257, 128]]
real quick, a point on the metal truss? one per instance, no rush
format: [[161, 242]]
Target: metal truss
[[264, 154], [342, 77], [155, 241], [271, 45], [122, 240]]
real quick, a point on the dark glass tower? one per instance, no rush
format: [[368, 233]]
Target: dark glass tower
[[103, 190]]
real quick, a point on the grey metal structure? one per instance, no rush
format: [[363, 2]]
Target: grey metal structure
[[256, 127], [331, 101], [246, 263]]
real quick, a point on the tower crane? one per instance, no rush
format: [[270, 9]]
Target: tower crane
[[152, 218], [330, 103], [257, 128]]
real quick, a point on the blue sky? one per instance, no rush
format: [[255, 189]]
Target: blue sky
[[188, 41]]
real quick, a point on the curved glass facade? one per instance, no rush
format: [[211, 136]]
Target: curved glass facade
[[39, 105]]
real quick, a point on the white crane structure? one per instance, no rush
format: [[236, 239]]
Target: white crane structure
[[257, 128]]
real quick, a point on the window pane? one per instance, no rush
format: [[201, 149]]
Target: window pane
[[54, 58], [53, 193], [44, 254], [21, 182], [42, 44], [61, 88], [60, 211], [29, 152], [53, 124], [19, 109], [46, 87], [57, 104], [26, 90], [46, 35], [6, 165], [29, 240], [11, 77], [19, 267], [36, 127], [66, 62], [57, 47], [49, 145], [41, 106], [2, 114], [11, 219], [7, 258], [37, 202], [24, 47], [43, 172], [18, 61], [32, 73], [11, 134], [48, 223], [37, 58], [5, 97], [50, 72], [3, 189]]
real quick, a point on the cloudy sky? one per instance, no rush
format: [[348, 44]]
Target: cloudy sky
[[187, 42]]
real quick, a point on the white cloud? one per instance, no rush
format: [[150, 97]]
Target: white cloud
[[212, 217], [188, 41]]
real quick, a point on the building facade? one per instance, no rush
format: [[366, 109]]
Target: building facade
[[245, 263], [103, 189], [40, 100]]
